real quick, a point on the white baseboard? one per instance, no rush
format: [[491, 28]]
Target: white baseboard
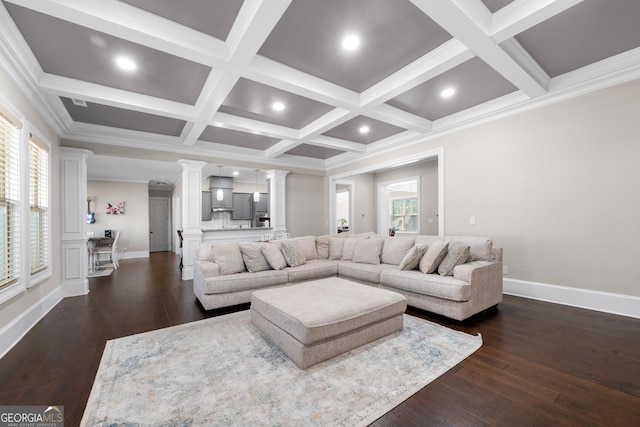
[[12, 333], [623, 305]]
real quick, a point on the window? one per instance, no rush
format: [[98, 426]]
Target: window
[[9, 203], [38, 205], [404, 214]]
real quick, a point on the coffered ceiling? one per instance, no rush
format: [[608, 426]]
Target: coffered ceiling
[[208, 72]]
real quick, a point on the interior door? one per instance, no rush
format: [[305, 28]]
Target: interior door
[[159, 232]]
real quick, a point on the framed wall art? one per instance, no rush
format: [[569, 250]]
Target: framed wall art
[[115, 208]]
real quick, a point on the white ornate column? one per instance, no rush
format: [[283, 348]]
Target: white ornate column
[[191, 213], [277, 200], [73, 189]]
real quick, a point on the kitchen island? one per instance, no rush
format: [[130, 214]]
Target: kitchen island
[[233, 235]]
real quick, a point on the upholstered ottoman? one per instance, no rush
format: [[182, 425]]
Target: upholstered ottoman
[[315, 321]]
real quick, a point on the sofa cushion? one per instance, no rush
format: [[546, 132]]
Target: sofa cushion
[[244, 281], [457, 254], [228, 257], [368, 251], [348, 247], [395, 248], [335, 248], [445, 287], [429, 240], [431, 259], [308, 246], [292, 253], [313, 269], [253, 257], [480, 248], [322, 244], [274, 256], [369, 273], [412, 259], [366, 235]]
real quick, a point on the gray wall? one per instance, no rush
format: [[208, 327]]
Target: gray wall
[[556, 187], [133, 225], [305, 204]]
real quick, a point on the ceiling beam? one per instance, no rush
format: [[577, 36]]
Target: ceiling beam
[[470, 32]]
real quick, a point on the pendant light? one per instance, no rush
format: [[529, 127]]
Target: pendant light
[[219, 193], [256, 194]]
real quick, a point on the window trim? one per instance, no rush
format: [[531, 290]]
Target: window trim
[[384, 201], [40, 276]]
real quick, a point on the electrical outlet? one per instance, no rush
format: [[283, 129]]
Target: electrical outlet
[[472, 220], [505, 270]]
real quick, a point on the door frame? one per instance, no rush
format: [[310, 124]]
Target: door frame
[[437, 153]]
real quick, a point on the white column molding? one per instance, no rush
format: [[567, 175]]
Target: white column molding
[[191, 213], [73, 238], [277, 200]]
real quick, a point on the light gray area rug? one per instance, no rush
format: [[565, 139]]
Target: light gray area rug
[[222, 372]]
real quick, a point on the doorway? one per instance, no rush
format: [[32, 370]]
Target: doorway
[[159, 224]]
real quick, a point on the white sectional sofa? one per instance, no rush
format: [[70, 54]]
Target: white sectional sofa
[[454, 276]]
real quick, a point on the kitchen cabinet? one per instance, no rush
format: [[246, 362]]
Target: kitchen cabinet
[[263, 204], [206, 205], [242, 204], [225, 203]]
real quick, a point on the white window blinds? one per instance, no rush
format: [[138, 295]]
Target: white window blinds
[[9, 203], [38, 205]]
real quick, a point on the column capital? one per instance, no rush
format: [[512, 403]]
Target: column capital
[[191, 164]]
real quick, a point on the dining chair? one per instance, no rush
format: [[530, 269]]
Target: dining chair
[[110, 251]]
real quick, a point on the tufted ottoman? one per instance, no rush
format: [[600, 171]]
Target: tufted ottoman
[[315, 321]]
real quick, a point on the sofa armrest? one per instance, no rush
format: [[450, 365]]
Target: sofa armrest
[[484, 277], [203, 269]]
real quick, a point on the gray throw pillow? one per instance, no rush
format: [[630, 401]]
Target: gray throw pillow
[[253, 257], [228, 257], [431, 259], [412, 259], [367, 251], [274, 256], [457, 254], [293, 254]]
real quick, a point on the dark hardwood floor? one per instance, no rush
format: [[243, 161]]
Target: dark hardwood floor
[[541, 364]]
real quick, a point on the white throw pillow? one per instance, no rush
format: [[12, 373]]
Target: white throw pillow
[[228, 257], [431, 259], [412, 259], [274, 256], [335, 247]]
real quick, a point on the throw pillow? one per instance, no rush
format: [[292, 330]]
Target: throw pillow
[[335, 247], [253, 257], [308, 246], [413, 257], [293, 254], [274, 257], [367, 251], [431, 259], [228, 257], [457, 254], [348, 247], [395, 248]]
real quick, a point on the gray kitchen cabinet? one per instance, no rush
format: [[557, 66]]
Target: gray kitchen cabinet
[[242, 206], [263, 204]]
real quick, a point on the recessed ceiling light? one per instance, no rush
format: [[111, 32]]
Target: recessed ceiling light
[[350, 42], [278, 106], [126, 63], [236, 173], [364, 129], [448, 92]]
